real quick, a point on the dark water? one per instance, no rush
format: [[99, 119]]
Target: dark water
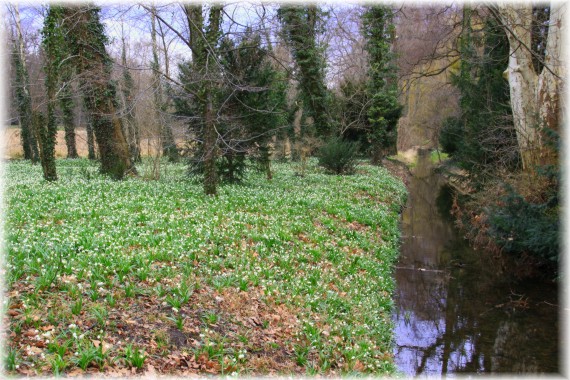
[[454, 314]]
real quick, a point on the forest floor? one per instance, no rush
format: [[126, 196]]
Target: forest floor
[[292, 276], [12, 147]]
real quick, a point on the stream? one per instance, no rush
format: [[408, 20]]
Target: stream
[[453, 313]]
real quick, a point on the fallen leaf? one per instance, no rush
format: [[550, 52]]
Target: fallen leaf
[[106, 347], [150, 371], [358, 366]]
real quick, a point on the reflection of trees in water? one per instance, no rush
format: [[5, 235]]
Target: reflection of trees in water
[[449, 318]]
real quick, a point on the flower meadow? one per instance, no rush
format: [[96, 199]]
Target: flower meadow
[[292, 276]]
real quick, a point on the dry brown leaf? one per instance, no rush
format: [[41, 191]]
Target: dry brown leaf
[[150, 371], [106, 347], [358, 366]]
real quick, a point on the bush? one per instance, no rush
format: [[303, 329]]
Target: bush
[[338, 157], [230, 166], [519, 226]]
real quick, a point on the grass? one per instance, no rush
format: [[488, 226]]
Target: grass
[[292, 276], [437, 157]]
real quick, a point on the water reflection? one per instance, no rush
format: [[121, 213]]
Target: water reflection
[[453, 313]]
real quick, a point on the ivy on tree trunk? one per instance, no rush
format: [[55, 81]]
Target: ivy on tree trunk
[[301, 25], [86, 37], [53, 44], [203, 41], [66, 105], [23, 97]]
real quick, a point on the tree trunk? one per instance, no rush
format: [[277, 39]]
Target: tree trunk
[[93, 66], [550, 84], [210, 149], [47, 130], [202, 42], [23, 97], [90, 139], [66, 105], [535, 98], [131, 127], [169, 148], [43, 133]]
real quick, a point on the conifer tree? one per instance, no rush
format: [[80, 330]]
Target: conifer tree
[[255, 102], [384, 110]]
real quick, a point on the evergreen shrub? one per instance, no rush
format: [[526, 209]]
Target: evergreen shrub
[[520, 226], [338, 156], [450, 136]]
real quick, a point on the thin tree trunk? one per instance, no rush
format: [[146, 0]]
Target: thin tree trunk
[[169, 148], [90, 138], [210, 149], [131, 126]]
